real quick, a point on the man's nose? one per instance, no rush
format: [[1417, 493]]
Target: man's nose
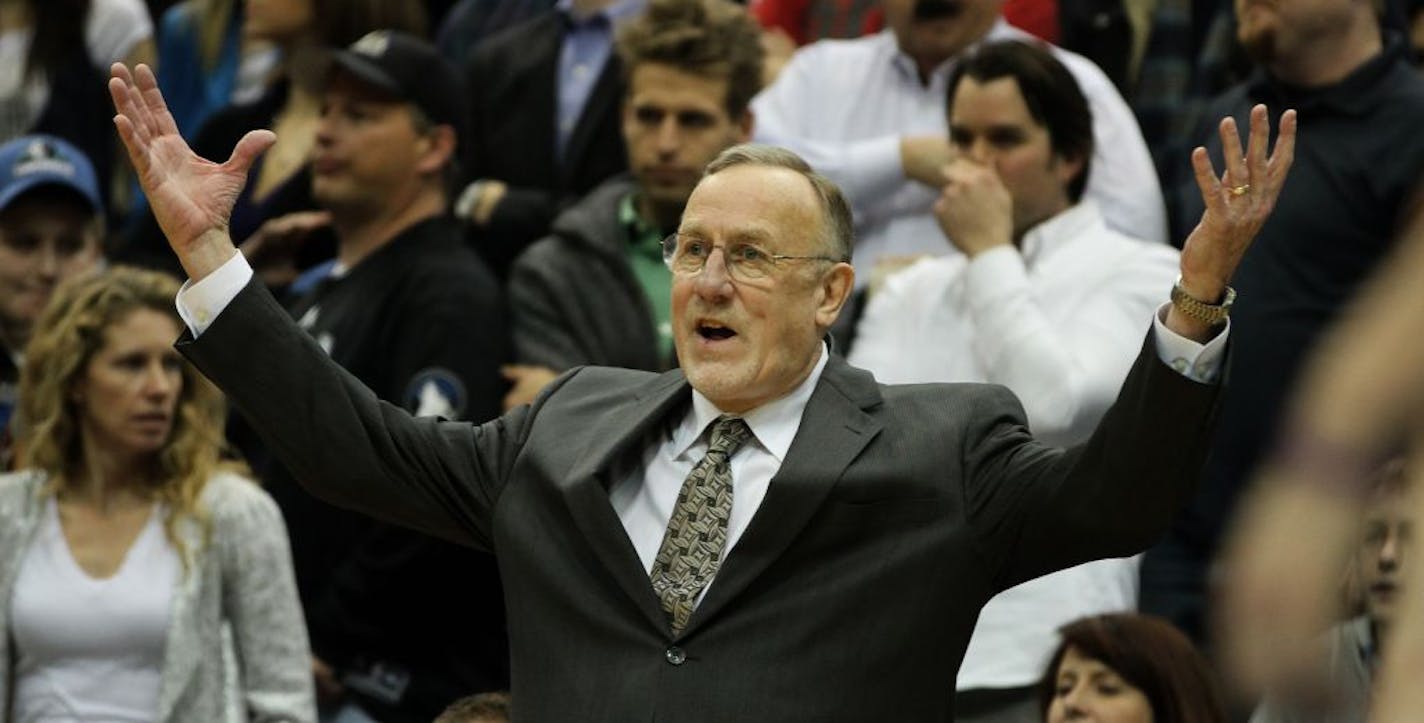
[[47, 260], [669, 135], [980, 152], [714, 281]]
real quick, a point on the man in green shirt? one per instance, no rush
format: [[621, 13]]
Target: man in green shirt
[[596, 291]]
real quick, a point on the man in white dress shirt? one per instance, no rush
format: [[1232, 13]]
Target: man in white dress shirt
[[1044, 299], [869, 114]]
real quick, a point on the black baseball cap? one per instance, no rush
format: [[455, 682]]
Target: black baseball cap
[[410, 69]]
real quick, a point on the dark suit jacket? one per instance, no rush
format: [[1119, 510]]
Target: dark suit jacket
[[513, 88], [898, 511]]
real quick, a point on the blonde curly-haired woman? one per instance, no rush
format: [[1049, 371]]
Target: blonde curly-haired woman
[[135, 566]]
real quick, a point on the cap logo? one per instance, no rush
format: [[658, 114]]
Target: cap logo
[[42, 157], [373, 43]]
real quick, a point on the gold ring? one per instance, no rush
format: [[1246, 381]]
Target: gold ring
[[1241, 189]]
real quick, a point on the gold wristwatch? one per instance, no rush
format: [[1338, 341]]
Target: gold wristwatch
[[1201, 310]]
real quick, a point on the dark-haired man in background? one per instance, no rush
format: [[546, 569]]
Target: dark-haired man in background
[[1044, 299], [869, 114]]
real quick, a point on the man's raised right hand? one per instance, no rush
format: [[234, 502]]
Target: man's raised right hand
[[191, 197]]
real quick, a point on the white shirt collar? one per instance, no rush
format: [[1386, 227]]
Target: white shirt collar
[[773, 424], [1072, 223]]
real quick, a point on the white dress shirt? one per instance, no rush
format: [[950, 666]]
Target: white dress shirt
[[843, 105], [1059, 324], [644, 502]]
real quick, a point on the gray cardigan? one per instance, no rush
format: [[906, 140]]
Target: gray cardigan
[[242, 581]]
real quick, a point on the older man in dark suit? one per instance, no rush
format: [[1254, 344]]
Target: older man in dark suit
[[823, 552]]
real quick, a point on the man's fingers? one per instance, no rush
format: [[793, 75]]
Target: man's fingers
[[147, 85], [1256, 144], [1235, 160], [137, 149], [1283, 155], [1207, 182], [248, 149]]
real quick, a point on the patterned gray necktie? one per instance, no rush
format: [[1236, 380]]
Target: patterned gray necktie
[[692, 546]]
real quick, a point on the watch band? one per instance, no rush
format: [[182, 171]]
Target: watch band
[[1201, 310]]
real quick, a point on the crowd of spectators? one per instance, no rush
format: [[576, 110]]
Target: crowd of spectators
[[467, 199]]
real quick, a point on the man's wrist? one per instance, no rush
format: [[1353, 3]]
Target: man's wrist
[[979, 246], [207, 253]]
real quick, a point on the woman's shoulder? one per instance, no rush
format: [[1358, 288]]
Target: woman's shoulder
[[18, 490], [231, 498]]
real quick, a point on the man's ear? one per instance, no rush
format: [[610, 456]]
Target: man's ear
[[1069, 168], [745, 125], [835, 288], [439, 149]]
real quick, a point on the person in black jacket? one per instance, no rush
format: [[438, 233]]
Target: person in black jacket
[[401, 623]]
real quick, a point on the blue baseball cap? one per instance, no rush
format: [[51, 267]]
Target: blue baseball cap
[[29, 162]]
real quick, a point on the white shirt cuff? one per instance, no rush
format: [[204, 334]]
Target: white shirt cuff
[[200, 303], [1197, 362]]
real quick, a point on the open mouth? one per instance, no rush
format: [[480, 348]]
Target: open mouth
[[712, 331]]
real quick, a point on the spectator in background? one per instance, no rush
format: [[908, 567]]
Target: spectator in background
[[1128, 668], [303, 31], [545, 123], [869, 113], [1355, 188], [1044, 299], [54, 61], [128, 550], [207, 62], [597, 291], [482, 708], [470, 22], [401, 623], [807, 21], [1351, 651], [51, 230]]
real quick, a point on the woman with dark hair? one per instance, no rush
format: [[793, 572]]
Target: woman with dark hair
[[1128, 668], [136, 568]]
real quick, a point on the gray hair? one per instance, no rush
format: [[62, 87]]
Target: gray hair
[[835, 212]]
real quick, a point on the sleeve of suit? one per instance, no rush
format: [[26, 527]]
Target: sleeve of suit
[[1035, 509], [344, 444]]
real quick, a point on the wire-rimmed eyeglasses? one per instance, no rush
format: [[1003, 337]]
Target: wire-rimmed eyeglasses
[[687, 255]]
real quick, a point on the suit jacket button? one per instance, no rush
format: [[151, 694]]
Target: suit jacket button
[[675, 655]]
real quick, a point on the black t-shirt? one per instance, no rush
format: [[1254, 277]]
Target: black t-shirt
[[419, 321]]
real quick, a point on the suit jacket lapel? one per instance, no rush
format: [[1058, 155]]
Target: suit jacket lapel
[[834, 429], [586, 488]]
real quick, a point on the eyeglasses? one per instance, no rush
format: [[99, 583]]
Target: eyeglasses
[[687, 256]]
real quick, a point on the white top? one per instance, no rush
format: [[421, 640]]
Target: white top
[[1059, 325], [111, 31], [644, 505], [844, 105], [91, 649]]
